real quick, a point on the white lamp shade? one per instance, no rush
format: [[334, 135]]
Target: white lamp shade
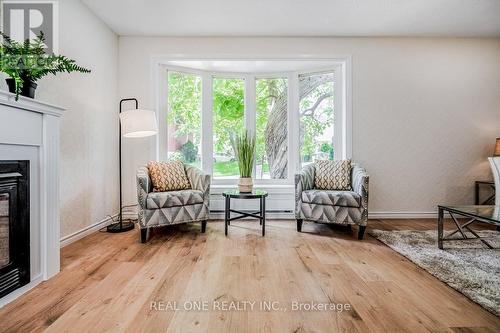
[[138, 123]]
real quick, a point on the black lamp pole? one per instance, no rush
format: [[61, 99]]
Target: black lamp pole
[[121, 225]]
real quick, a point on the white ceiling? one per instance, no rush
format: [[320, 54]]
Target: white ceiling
[[467, 18]]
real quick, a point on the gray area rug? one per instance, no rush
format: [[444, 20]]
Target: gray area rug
[[467, 266]]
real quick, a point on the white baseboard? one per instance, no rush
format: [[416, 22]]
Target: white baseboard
[[18, 292], [66, 240], [402, 215], [71, 238]]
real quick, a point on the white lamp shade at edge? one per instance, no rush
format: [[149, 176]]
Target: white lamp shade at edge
[[138, 123]]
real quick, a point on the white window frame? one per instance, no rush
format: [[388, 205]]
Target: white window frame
[[164, 110], [340, 123], [342, 107], [278, 75]]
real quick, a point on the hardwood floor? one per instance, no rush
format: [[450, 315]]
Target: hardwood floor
[[111, 282]]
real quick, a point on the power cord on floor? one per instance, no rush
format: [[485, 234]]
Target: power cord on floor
[[115, 219]]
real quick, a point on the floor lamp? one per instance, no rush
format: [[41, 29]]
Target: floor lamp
[[133, 123]]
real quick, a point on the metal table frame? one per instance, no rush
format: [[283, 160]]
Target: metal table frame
[[261, 214], [461, 227], [485, 183]]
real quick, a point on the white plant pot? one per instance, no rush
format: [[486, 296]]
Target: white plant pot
[[245, 185], [495, 169]]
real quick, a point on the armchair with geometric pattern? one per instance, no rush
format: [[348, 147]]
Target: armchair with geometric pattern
[[173, 207], [324, 206]]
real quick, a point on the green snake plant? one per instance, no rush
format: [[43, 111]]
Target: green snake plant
[[244, 147]]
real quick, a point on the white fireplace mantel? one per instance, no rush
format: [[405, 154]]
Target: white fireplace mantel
[[29, 130]]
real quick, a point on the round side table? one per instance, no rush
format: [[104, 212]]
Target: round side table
[[236, 194]]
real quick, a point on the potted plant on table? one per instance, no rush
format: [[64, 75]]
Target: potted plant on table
[[244, 147], [27, 62]]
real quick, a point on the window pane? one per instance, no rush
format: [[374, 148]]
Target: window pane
[[228, 119], [184, 118], [316, 117], [271, 128]]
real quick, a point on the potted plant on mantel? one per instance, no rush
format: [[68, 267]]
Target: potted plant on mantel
[[27, 62], [244, 146]]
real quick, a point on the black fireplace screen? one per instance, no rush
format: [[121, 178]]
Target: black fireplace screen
[[14, 225]]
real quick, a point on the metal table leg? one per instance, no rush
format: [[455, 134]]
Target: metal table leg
[[228, 210], [260, 215], [263, 213], [260, 211], [476, 194], [226, 215], [440, 228], [460, 229]]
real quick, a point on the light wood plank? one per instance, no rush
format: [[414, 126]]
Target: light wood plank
[[108, 282]]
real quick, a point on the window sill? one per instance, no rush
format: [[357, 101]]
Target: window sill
[[271, 188], [263, 186]]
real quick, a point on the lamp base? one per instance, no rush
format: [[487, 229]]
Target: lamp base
[[116, 227]]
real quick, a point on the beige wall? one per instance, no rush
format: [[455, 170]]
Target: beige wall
[[425, 110], [89, 162], [89, 140]]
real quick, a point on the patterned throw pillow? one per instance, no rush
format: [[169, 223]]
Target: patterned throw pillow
[[333, 175], [168, 176]]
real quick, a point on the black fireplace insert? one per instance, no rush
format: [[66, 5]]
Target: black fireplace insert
[[14, 226]]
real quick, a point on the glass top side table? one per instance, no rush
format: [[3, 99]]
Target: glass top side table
[[236, 194], [475, 214]]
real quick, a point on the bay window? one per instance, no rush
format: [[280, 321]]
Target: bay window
[[298, 117]]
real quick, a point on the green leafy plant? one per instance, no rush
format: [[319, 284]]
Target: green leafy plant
[[27, 62], [189, 152], [244, 148], [176, 156], [327, 148]]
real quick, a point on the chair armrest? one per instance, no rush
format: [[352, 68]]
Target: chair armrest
[[144, 186], [360, 182], [199, 181], [304, 181]]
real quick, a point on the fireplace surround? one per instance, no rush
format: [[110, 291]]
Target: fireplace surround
[[29, 132], [14, 226]]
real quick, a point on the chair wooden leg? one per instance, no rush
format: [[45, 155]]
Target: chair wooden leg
[[299, 225], [361, 231], [203, 226], [144, 235]]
